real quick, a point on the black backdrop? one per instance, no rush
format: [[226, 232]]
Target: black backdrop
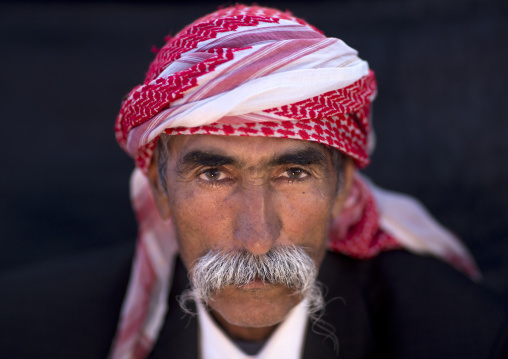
[[440, 115]]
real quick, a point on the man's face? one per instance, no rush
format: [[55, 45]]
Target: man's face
[[250, 193]]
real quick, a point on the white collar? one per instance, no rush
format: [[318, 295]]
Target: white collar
[[285, 342]]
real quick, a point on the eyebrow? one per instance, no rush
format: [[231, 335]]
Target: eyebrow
[[201, 158], [305, 157]]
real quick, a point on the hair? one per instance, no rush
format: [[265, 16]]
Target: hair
[[287, 265], [162, 148]]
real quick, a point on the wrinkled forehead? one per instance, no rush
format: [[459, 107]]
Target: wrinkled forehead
[[252, 149]]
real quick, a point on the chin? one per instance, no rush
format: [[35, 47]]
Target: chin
[[254, 308]]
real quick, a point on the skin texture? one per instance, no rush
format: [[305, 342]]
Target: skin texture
[[252, 193]]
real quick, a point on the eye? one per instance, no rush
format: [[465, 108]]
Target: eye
[[295, 173], [212, 175]]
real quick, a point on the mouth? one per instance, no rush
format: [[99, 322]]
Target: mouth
[[255, 284]]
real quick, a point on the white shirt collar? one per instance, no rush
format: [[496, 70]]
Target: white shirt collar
[[285, 342]]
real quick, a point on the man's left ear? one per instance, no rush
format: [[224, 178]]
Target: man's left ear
[[159, 193], [345, 190]]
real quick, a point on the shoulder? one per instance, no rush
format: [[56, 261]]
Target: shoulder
[[66, 308], [420, 307]]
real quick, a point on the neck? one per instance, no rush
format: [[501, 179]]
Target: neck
[[236, 332]]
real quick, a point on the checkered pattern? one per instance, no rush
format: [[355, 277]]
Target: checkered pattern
[[249, 51]]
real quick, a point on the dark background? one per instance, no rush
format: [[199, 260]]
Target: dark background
[[440, 116]]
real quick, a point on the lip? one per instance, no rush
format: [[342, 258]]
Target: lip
[[255, 284]]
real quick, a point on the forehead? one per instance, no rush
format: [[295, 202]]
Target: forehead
[[248, 149]]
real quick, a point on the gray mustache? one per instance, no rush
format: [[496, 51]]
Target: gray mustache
[[287, 265]]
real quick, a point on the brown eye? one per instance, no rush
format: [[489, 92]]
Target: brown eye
[[296, 173], [212, 175]]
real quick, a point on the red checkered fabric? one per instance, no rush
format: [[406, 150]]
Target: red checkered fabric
[[253, 48]]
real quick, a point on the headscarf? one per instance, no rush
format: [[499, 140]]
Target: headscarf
[[251, 71], [254, 71]]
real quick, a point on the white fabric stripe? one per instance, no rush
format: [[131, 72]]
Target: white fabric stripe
[[156, 253], [158, 302], [263, 33], [261, 117]]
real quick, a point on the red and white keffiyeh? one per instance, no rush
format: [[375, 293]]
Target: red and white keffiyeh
[[253, 71]]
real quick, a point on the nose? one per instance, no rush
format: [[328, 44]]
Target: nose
[[257, 224]]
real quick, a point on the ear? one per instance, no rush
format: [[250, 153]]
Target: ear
[[344, 192], [159, 193]]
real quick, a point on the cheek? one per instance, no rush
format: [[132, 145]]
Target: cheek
[[306, 219], [200, 221], [205, 220]]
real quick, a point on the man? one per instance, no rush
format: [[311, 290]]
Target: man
[[246, 134], [248, 128]]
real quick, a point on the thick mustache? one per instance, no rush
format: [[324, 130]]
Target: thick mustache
[[288, 265]]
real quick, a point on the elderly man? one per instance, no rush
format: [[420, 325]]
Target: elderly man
[[248, 129], [246, 134]]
